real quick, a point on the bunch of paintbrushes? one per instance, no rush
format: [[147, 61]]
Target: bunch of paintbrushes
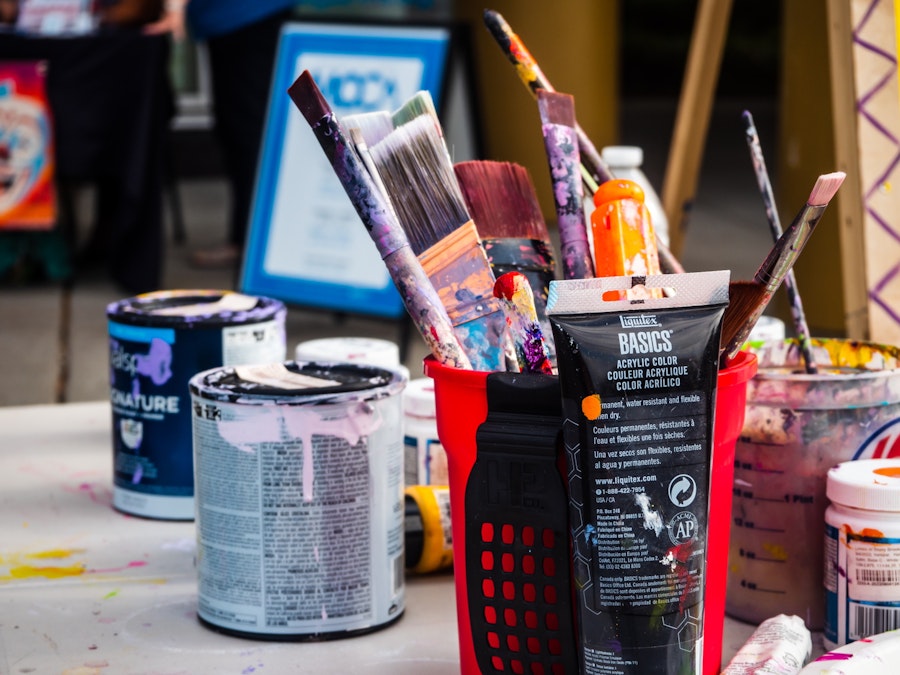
[[594, 170], [402, 183], [420, 298]]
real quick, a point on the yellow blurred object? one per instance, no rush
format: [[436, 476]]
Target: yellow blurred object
[[429, 541]]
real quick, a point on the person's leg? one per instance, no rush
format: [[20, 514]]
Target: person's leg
[[241, 65]]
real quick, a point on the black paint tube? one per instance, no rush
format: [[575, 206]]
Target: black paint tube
[[638, 382]]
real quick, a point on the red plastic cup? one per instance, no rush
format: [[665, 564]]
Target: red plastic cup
[[461, 403], [731, 397]]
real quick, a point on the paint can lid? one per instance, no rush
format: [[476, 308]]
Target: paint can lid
[[296, 383], [368, 351], [871, 484], [418, 398], [194, 308]]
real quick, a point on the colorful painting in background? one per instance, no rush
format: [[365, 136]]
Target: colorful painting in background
[[27, 191]]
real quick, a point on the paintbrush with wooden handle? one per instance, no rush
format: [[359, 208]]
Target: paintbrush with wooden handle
[[421, 299], [748, 299]]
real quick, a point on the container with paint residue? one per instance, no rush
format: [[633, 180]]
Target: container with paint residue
[[862, 550], [299, 494], [157, 342]]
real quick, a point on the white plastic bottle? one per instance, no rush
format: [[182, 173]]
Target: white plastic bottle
[[862, 550], [625, 162]]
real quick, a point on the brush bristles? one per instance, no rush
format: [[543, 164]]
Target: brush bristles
[[744, 298], [414, 165], [419, 104], [556, 107], [501, 199], [825, 188], [373, 126]]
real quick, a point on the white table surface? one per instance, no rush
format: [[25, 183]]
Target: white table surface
[[86, 590]]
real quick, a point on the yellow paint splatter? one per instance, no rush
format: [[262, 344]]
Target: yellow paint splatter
[[591, 406], [29, 571], [776, 551], [20, 569]]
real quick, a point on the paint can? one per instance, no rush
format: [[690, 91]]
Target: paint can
[[862, 550], [797, 426], [299, 490], [157, 342], [425, 459], [364, 350]]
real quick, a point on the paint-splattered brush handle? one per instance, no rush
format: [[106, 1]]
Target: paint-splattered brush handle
[[568, 193], [790, 283], [418, 295], [517, 299]]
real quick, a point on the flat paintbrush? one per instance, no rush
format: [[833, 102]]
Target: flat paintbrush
[[421, 300], [748, 299], [415, 166], [790, 283], [502, 201], [563, 157], [534, 79]]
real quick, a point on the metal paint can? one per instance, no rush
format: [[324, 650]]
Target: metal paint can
[[157, 342], [299, 488]]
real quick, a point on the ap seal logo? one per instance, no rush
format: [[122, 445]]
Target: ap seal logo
[[683, 528]]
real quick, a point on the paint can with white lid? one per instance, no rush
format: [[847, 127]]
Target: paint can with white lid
[[157, 342], [426, 459], [361, 350], [299, 495], [862, 550]]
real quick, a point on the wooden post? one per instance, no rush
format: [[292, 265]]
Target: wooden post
[[692, 119]]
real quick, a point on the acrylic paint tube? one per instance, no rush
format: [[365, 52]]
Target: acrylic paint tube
[[638, 383]]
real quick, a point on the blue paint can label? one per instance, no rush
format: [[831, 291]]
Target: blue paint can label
[[157, 343]]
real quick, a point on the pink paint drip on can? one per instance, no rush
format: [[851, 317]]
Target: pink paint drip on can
[[299, 498], [157, 342]]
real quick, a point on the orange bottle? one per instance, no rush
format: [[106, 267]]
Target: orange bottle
[[624, 241]]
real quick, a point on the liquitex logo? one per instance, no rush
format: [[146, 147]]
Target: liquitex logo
[[638, 320], [884, 443]]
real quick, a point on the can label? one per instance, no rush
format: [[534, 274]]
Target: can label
[[300, 517], [862, 584], [149, 371]]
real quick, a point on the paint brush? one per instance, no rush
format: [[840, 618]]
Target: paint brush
[[415, 166], [517, 299], [502, 201], [748, 299], [558, 128], [534, 79], [420, 299], [790, 282], [420, 103]]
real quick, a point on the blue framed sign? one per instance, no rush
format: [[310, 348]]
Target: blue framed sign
[[306, 244]]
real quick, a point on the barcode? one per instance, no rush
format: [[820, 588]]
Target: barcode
[[867, 621], [397, 564], [867, 577]]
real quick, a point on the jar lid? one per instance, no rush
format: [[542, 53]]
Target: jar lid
[[872, 484], [630, 156], [361, 350], [418, 398]]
